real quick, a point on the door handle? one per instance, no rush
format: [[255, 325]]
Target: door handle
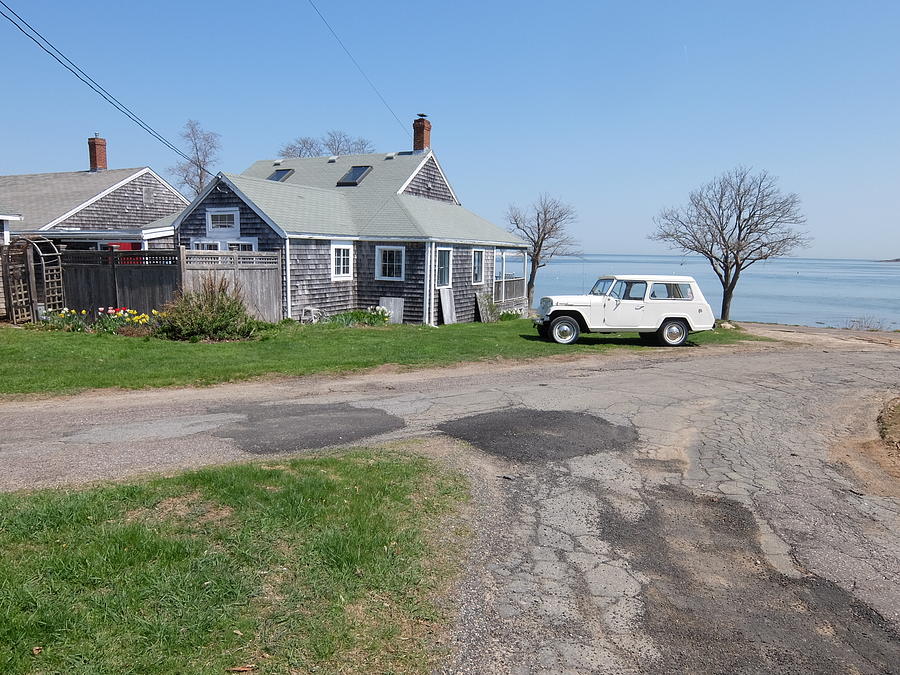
[[639, 307]]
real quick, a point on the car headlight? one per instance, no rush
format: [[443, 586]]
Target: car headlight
[[546, 304]]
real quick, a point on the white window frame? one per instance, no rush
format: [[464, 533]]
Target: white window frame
[[233, 232], [437, 268], [341, 245], [206, 242], [482, 252], [250, 242], [378, 251]]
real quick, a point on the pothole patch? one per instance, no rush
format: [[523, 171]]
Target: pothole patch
[[267, 429], [528, 435]]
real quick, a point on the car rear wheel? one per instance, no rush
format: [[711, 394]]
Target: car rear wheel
[[672, 333], [565, 330]]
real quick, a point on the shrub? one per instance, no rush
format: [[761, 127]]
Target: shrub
[[510, 316], [373, 316], [214, 312]]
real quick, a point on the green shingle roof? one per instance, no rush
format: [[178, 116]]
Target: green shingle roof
[[309, 201]]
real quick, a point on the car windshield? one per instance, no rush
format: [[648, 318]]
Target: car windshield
[[601, 286]]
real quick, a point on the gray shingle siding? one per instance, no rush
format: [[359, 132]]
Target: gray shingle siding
[[126, 207], [194, 224], [464, 291], [429, 182], [411, 289], [311, 284]]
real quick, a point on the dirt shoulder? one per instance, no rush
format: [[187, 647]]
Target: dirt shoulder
[[835, 337]]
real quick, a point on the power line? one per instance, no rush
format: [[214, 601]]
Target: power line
[[73, 68], [359, 67]]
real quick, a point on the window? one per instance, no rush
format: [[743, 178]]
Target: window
[[390, 263], [601, 286], [205, 246], [671, 291], [341, 260], [629, 290], [354, 176], [240, 246], [278, 175], [477, 266], [444, 267], [223, 223]]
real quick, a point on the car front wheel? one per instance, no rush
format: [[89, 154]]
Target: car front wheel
[[672, 333], [565, 330]]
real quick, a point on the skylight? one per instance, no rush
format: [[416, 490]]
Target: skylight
[[355, 175], [280, 174]]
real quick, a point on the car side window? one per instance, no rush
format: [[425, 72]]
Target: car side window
[[671, 291], [618, 290], [635, 290]]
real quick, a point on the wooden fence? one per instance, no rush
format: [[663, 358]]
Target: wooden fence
[[257, 275], [145, 280]]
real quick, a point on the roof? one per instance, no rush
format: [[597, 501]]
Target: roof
[[648, 277], [42, 198], [9, 214], [309, 201]]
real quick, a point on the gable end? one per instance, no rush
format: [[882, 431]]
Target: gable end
[[138, 202], [430, 183]]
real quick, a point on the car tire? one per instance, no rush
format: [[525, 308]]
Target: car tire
[[543, 330], [672, 333], [565, 330]]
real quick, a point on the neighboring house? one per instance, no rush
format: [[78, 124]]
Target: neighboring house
[[362, 230], [95, 208]]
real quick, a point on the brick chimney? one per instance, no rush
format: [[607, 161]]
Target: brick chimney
[[97, 153], [421, 133]]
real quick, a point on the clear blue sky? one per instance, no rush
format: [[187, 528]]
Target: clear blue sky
[[618, 108]]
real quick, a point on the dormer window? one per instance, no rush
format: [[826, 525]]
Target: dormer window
[[280, 174], [354, 176]]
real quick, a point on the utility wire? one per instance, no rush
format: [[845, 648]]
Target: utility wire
[[358, 67], [73, 68]]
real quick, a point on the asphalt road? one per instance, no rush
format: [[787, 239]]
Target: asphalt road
[[690, 510]]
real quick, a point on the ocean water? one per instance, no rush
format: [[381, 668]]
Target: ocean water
[[803, 291]]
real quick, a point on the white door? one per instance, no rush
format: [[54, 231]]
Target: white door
[[625, 305]]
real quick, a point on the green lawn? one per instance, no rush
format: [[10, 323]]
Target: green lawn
[[305, 565], [34, 361]]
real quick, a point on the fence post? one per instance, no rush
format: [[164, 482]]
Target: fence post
[[182, 266]]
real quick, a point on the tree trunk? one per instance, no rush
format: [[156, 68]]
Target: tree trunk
[[532, 274], [726, 303]]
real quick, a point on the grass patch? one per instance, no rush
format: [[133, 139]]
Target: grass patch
[[46, 361], [305, 565]]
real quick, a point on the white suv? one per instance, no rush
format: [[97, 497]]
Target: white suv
[[664, 309]]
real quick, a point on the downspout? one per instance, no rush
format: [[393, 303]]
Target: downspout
[[433, 277], [287, 277]]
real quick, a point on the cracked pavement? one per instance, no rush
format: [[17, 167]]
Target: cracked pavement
[[665, 511]]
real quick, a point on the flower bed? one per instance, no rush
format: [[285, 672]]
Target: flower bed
[[106, 320]]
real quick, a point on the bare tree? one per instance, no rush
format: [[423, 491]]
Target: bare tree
[[737, 219], [335, 142], [202, 148], [305, 146], [544, 225], [340, 143]]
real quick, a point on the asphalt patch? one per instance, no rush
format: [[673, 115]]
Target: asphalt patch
[[528, 435], [713, 604], [267, 429]]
